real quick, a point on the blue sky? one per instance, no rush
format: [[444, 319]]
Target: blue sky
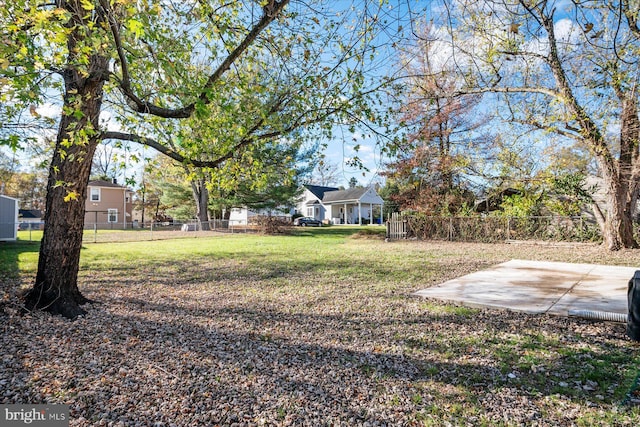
[[340, 148]]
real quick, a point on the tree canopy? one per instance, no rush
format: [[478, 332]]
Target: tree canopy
[[248, 73], [565, 71]]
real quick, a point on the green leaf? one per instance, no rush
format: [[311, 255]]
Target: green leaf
[[136, 27]]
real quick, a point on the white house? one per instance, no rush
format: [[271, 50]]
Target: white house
[[310, 202], [350, 206], [8, 218], [326, 204]]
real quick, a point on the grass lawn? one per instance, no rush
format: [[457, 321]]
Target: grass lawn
[[317, 327]]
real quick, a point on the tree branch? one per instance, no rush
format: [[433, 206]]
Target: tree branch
[[569, 132], [588, 128], [632, 19], [492, 89], [270, 12]]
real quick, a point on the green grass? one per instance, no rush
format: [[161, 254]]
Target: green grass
[[356, 288], [19, 257]]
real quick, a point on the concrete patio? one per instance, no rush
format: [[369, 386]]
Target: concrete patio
[[540, 287]]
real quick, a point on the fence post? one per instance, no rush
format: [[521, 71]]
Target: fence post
[[508, 228], [95, 233]]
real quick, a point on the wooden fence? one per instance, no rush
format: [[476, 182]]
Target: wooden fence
[[397, 227]]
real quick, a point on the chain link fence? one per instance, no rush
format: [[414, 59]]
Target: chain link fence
[[96, 232], [490, 229], [103, 232]]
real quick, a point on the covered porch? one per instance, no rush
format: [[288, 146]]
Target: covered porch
[[354, 206], [356, 213]]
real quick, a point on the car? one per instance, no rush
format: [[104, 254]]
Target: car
[[307, 221]]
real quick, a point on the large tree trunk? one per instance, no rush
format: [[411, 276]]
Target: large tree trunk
[[617, 230], [55, 289], [201, 197], [617, 222], [621, 178]]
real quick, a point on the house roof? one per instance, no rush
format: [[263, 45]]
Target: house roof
[[30, 213], [104, 183], [493, 202], [349, 194], [319, 190]]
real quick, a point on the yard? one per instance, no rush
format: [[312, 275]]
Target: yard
[[313, 328]]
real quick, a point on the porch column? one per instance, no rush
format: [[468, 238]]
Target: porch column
[[370, 213], [359, 213], [345, 214]]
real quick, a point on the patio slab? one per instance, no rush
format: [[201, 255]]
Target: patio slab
[[540, 287]]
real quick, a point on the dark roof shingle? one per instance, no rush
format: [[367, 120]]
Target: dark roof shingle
[[104, 183], [319, 190], [344, 195], [30, 213]]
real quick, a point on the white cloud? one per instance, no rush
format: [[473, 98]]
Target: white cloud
[[108, 121], [49, 110], [565, 30]]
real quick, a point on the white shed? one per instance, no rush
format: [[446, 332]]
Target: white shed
[[8, 218]]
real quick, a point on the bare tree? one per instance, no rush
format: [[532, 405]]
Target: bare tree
[[572, 72], [325, 173]]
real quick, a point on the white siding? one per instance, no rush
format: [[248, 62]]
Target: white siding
[[8, 218], [239, 216], [371, 197]]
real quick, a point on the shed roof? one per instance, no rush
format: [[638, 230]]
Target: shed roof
[[30, 213]]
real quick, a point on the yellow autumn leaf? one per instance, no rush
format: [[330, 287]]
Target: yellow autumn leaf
[[87, 4], [72, 195]]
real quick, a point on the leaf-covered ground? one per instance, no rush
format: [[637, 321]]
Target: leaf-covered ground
[[313, 329]]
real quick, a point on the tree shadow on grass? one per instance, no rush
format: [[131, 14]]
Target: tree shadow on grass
[[261, 267], [10, 269], [139, 361], [10, 253]]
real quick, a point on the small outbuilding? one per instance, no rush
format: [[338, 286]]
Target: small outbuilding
[[8, 218], [30, 219]]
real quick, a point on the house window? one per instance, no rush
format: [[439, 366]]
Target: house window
[[309, 211], [112, 215], [95, 194]]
